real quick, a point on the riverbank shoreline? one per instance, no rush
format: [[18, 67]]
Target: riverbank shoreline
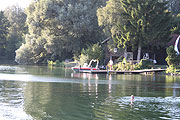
[[170, 74]]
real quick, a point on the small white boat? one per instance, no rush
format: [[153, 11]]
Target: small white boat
[[85, 68]]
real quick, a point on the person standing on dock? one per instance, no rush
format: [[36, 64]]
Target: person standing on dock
[[111, 64]]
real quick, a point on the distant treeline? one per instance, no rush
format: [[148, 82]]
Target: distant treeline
[[49, 30]]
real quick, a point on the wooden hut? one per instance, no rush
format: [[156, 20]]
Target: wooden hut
[[113, 52]]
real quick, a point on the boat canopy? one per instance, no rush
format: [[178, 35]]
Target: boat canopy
[[97, 63]]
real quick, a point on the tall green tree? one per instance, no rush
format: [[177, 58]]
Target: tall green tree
[[59, 28], [16, 30], [109, 16], [175, 24], [146, 25], [4, 24]]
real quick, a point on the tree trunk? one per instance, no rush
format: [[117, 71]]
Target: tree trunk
[[125, 53], [139, 53]]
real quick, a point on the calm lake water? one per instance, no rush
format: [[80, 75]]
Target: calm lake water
[[46, 93]]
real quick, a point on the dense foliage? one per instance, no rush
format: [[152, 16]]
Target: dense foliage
[[172, 58], [139, 23], [146, 27], [59, 28], [94, 51], [4, 24], [17, 29], [12, 30], [50, 30], [57, 63], [144, 64], [175, 23], [129, 66], [109, 16], [124, 66]]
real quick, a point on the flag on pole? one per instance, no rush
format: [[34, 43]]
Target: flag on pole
[[176, 45]]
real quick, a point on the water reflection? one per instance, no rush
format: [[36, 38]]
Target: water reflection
[[93, 80], [173, 85], [60, 101], [36, 97], [84, 76]]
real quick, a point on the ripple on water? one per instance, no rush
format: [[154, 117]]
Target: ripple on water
[[143, 108], [90, 104], [11, 102], [167, 108], [13, 113]]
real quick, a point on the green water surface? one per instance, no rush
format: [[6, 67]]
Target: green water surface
[[49, 93]]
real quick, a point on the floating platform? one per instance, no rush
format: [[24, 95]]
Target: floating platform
[[145, 71]]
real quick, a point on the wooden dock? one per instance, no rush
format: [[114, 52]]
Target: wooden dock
[[145, 71]]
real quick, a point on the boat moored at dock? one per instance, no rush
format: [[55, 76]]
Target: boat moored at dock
[[87, 68]]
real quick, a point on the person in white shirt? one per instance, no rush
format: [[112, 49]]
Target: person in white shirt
[[111, 63]]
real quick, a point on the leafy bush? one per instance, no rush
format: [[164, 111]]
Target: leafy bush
[[92, 52], [83, 59], [124, 65], [144, 64], [24, 55], [50, 62], [173, 58], [56, 63], [171, 69]]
